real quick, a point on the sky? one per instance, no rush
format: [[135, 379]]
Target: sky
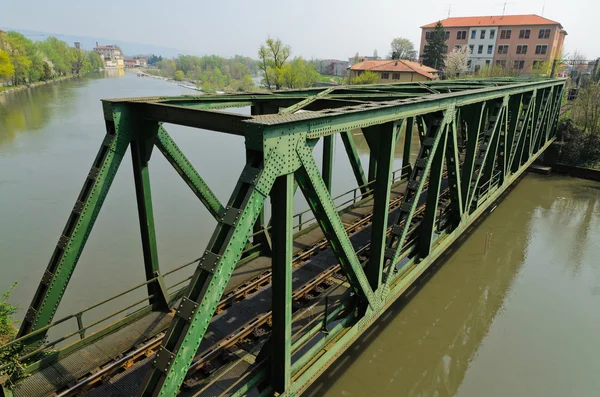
[[313, 28]]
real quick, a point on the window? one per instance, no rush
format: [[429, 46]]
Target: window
[[385, 76], [477, 67], [544, 34], [396, 76], [524, 33], [461, 35], [428, 36], [492, 34], [480, 49], [487, 62], [501, 63], [505, 34], [541, 49], [522, 49], [471, 48], [473, 33], [519, 64], [503, 49], [469, 63], [482, 36], [490, 49], [447, 34]]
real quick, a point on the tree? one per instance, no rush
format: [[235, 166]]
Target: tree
[[178, 75], [456, 61], [298, 74], [47, 72], [94, 61], [436, 48], [272, 56], [367, 77], [586, 109], [6, 67], [19, 46], [402, 48], [375, 54]]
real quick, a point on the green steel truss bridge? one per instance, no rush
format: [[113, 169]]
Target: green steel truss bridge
[[272, 303]]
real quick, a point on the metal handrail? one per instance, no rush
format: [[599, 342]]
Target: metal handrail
[[78, 315]]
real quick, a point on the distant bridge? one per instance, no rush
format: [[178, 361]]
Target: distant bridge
[[272, 304]]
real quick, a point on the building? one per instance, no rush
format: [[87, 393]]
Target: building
[[360, 58], [111, 55], [332, 67], [394, 71], [513, 41]]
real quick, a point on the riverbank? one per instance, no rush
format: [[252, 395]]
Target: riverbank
[[39, 83]]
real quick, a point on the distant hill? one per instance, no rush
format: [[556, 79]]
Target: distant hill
[[87, 43]]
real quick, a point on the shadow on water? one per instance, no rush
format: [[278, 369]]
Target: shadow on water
[[424, 343]]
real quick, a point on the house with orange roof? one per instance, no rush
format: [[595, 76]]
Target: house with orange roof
[[510, 41], [394, 71]]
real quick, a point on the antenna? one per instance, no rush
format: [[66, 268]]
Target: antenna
[[543, 7], [449, 9], [503, 9]]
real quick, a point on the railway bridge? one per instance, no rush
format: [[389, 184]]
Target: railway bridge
[[273, 301]]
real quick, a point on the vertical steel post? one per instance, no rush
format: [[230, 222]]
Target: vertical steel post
[[408, 134], [381, 199], [328, 146], [141, 150], [282, 201]]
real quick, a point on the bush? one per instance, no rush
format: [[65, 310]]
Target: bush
[[9, 355], [577, 147], [367, 77]]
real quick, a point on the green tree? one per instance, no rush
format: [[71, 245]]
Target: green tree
[[179, 75], [367, 77], [47, 71], [18, 49], [272, 56], [586, 109], [6, 67], [59, 53], [298, 74], [36, 69], [402, 48], [435, 49], [94, 61]]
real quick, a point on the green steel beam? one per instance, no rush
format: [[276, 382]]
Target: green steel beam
[[354, 159], [373, 143], [79, 225], [474, 122], [381, 198], [426, 234], [229, 123], [328, 150], [141, 150], [414, 187], [282, 202], [453, 168], [408, 135], [324, 210], [208, 282], [188, 173]]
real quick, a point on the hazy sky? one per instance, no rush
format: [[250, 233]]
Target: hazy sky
[[313, 28]]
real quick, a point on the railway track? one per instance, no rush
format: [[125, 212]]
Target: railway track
[[256, 329]]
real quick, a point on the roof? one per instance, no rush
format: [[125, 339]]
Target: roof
[[498, 20], [395, 66]]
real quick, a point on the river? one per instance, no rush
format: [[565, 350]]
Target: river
[[514, 310]]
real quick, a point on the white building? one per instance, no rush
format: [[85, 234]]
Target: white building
[[482, 42]]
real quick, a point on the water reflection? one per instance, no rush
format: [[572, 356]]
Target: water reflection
[[474, 324], [32, 109]]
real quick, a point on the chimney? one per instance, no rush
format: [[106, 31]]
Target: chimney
[[396, 64]]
